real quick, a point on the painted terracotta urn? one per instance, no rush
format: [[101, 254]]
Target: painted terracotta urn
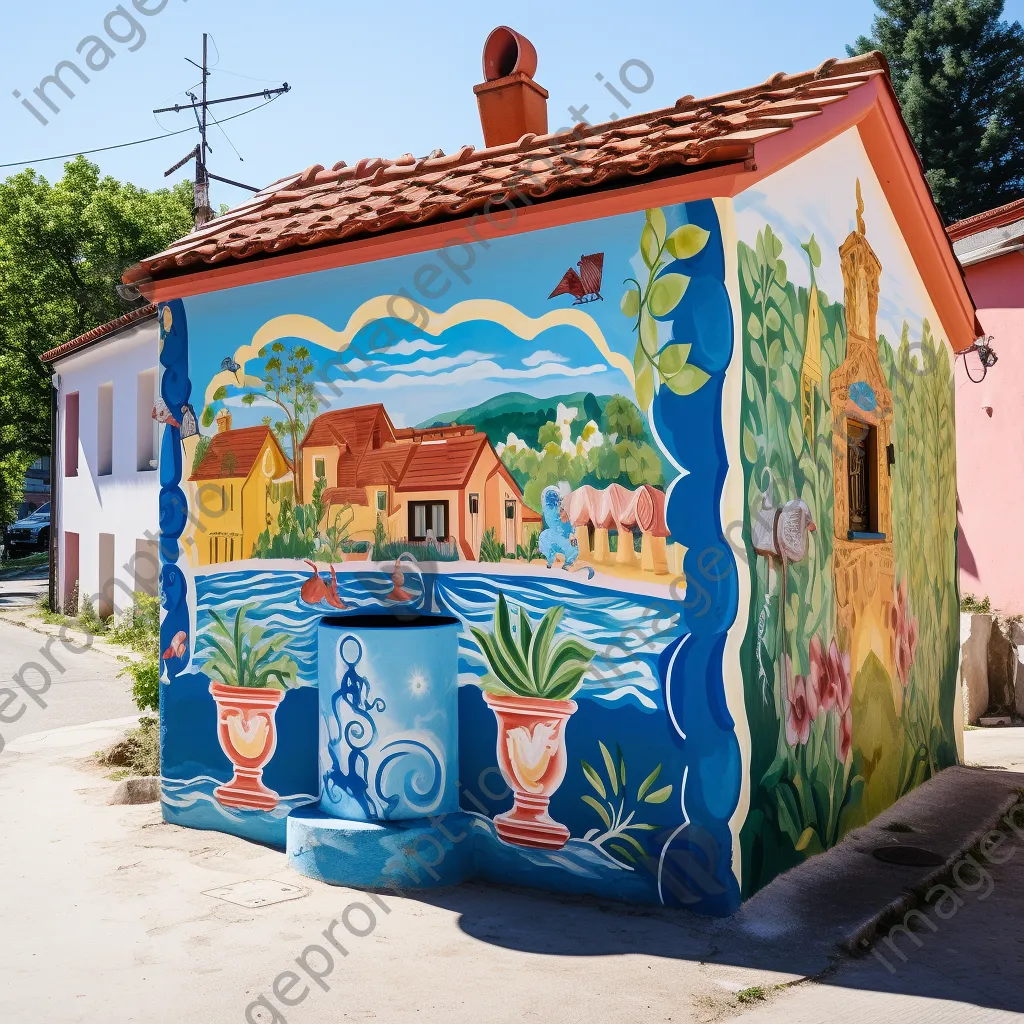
[[248, 735], [532, 759]]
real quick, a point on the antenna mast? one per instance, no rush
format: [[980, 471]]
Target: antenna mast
[[202, 211]]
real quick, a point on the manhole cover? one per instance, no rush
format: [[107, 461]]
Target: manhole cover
[[257, 892], [908, 856]]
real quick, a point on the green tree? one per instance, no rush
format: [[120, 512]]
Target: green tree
[[622, 417], [958, 70], [287, 383], [549, 434], [63, 248]]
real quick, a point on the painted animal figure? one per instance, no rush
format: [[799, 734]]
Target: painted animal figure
[[177, 646], [559, 535], [164, 415], [316, 589]]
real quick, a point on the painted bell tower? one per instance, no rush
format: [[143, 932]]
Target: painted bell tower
[[862, 413]]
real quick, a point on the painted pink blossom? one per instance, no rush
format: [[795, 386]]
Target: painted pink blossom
[[844, 735], [830, 676], [801, 706], [904, 627]]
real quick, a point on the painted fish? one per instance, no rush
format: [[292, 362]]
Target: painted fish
[[179, 643]]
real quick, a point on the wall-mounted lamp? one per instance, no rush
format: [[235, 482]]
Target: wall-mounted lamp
[[986, 355]]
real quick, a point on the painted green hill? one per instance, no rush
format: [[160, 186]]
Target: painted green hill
[[523, 414]]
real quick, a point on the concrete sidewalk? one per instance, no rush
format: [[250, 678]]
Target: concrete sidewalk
[[107, 916]]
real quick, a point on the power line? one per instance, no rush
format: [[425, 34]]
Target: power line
[[125, 145]]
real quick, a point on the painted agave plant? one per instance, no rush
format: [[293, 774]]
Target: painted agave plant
[[531, 662], [242, 657]]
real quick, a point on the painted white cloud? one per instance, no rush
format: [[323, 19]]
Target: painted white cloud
[[544, 355], [434, 364], [484, 369], [409, 347]]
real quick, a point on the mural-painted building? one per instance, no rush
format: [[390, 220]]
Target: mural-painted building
[[660, 549], [990, 445]]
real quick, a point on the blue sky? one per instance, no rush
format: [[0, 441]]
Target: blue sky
[[423, 374], [377, 79]]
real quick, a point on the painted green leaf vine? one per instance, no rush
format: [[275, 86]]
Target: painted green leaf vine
[[657, 297]]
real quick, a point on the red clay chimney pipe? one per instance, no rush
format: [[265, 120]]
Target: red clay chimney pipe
[[511, 103]]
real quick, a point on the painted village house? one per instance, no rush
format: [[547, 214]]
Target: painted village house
[[443, 483], [242, 477], [644, 436]]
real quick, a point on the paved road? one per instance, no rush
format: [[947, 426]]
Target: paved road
[[998, 747], [75, 685], [25, 589]]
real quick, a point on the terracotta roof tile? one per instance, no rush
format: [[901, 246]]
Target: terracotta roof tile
[[321, 206], [443, 464], [99, 333], [232, 454], [989, 219], [344, 496]]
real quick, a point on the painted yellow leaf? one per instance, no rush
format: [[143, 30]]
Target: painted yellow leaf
[[648, 333], [657, 221], [672, 358], [687, 241], [650, 245], [666, 293], [805, 837], [644, 388], [630, 303], [659, 796], [689, 379]]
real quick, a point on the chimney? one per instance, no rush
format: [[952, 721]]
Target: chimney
[[511, 103], [223, 421]]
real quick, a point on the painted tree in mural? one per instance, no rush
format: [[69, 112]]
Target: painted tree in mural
[[286, 383]]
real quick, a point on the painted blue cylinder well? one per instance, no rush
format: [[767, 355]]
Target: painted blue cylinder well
[[388, 716], [652, 766]]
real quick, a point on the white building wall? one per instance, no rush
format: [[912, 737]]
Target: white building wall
[[125, 503]]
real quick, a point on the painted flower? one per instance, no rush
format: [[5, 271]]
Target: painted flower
[[801, 706], [904, 628], [830, 676], [844, 735]]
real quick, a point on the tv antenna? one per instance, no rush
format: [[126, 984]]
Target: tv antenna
[[202, 211]]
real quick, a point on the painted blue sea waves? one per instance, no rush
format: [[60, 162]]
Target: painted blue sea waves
[[279, 607], [191, 802], [628, 631]]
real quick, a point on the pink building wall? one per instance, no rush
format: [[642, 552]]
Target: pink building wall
[[990, 441]]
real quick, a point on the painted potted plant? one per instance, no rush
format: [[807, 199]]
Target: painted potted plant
[[355, 550], [248, 677], [532, 677]]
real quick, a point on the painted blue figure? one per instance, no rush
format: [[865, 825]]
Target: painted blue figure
[[559, 535], [358, 732]]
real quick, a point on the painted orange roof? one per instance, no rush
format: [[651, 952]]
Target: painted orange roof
[[232, 454], [99, 333], [444, 464], [985, 221], [375, 195], [353, 427], [344, 496]]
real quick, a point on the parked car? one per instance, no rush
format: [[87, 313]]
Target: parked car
[[32, 533]]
